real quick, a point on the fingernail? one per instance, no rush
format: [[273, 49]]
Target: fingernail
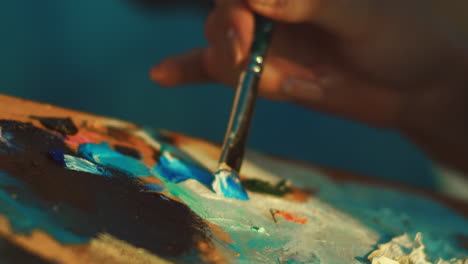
[[302, 90], [235, 49]]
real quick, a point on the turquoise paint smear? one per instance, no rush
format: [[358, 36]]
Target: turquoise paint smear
[[227, 184], [176, 171], [79, 164], [393, 213], [103, 155], [20, 215]]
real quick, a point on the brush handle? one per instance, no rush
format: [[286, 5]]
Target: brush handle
[[244, 102]]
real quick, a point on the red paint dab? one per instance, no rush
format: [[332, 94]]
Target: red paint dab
[[291, 217]]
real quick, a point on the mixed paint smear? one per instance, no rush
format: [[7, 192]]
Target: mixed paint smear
[[75, 195], [104, 155], [228, 184]]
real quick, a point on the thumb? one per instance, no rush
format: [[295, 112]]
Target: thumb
[[287, 10]]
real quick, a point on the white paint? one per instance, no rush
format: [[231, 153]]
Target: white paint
[[403, 250]]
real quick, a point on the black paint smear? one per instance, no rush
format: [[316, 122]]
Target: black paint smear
[[92, 204], [128, 151], [64, 126], [254, 185], [11, 253]]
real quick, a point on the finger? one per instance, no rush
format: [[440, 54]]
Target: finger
[[346, 96], [329, 90], [287, 10], [347, 18], [229, 31], [181, 69]]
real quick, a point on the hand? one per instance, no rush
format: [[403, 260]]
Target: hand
[[385, 63]]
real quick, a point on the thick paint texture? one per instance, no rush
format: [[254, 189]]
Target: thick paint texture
[[227, 184], [39, 191], [279, 189], [176, 171], [103, 155], [78, 164], [64, 126]]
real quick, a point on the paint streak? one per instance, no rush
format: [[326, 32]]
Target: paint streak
[[78, 164], [153, 187], [175, 170], [127, 151], [280, 189], [103, 155], [291, 217], [36, 192], [76, 140], [227, 184], [64, 126]]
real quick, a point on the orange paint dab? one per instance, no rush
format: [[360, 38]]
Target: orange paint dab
[[291, 217]]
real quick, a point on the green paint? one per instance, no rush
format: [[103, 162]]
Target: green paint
[[254, 185]]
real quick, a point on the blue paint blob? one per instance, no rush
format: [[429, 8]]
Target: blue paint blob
[[227, 184], [58, 156], [175, 170], [103, 155]]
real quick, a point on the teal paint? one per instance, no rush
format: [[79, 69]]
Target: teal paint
[[103, 155], [20, 212], [392, 213], [79, 164]]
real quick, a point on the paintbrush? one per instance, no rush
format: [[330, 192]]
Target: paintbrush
[[226, 181]]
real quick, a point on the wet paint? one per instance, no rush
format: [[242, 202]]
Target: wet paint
[[280, 189], [74, 206], [227, 184], [176, 170], [153, 187], [78, 164], [103, 155], [288, 216], [64, 126]]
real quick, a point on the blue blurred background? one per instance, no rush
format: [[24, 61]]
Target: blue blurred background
[[95, 56]]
